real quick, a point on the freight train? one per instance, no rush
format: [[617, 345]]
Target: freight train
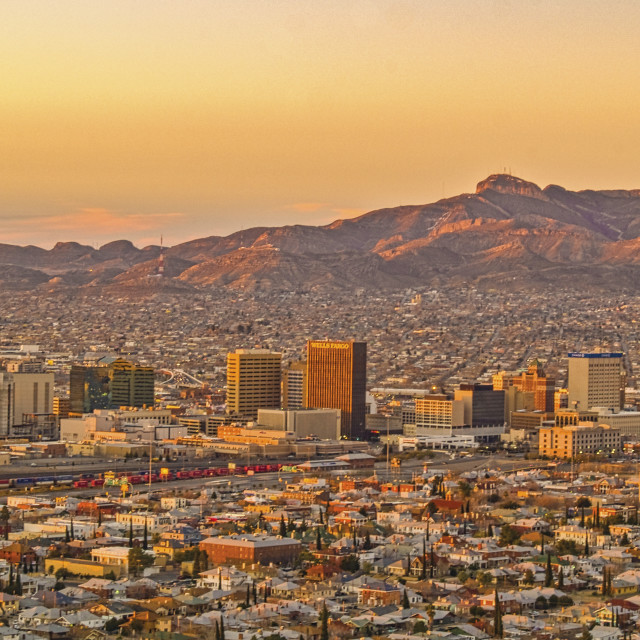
[[86, 480]]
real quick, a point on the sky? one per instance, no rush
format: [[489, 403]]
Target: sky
[[145, 118]]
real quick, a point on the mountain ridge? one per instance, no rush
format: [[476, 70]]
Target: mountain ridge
[[509, 229]]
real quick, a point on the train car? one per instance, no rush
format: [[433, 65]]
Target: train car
[[210, 472], [97, 482], [5, 484], [197, 473], [23, 482], [183, 475], [67, 480], [81, 484], [87, 476], [135, 479], [224, 471], [44, 481], [262, 468]]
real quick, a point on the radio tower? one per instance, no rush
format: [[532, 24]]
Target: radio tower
[[161, 260]]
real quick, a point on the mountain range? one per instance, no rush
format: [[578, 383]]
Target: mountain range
[[509, 234]]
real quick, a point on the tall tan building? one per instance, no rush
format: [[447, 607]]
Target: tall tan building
[[534, 380], [294, 382], [580, 439], [596, 380], [253, 381], [337, 379]]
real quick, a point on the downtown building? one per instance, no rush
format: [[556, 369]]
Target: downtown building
[[112, 383], [337, 379], [253, 381], [596, 380]]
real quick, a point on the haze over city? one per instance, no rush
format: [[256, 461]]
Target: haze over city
[[191, 119]]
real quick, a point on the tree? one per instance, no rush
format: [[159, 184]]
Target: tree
[[367, 541], [582, 504], [541, 603], [99, 517], [420, 627], [423, 570], [548, 576], [17, 589], [67, 538], [498, 629], [508, 535], [529, 577], [624, 541], [324, 623], [464, 488], [247, 600], [4, 518], [111, 625], [283, 527], [138, 560], [318, 540], [490, 531], [196, 562], [222, 628], [407, 569], [350, 563], [71, 531], [463, 576], [586, 546], [561, 579], [405, 600], [131, 533], [145, 536]]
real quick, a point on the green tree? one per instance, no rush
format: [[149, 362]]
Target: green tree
[[367, 541], [548, 576], [463, 576], [498, 629], [561, 579], [529, 577], [4, 518], [318, 540], [138, 560], [405, 600], [283, 527], [350, 563], [508, 535], [464, 488], [131, 533], [145, 536], [324, 623], [582, 504], [420, 627]]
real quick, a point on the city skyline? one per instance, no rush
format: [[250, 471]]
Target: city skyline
[[203, 119]]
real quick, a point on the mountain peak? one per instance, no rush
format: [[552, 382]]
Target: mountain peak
[[505, 183]]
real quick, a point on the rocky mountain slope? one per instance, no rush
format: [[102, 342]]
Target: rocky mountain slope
[[509, 233]]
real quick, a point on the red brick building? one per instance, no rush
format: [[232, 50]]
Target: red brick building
[[240, 549]]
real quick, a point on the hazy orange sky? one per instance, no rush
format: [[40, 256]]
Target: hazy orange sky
[[186, 118]]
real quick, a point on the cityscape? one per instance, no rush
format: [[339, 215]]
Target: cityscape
[[319, 320]]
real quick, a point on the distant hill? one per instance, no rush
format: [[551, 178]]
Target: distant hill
[[510, 233]]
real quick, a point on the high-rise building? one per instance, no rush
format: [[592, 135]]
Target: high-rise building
[[535, 381], [337, 379], [131, 385], [294, 378], [253, 381], [6, 403], [113, 383], [33, 395], [595, 380]]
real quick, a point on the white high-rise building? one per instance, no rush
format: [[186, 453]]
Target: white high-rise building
[[595, 380]]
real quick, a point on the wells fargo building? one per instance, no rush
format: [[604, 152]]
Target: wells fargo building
[[337, 379]]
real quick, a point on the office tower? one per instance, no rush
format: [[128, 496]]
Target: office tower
[[253, 381], [294, 379], [535, 381], [131, 385], [484, 407], [89, 388], [595, 380], [61, 406], [33, 395], [6, 403], [337, 379], [113, 383]]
